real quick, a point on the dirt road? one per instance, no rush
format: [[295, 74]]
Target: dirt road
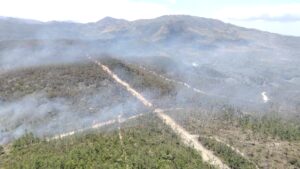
[[187, 138]]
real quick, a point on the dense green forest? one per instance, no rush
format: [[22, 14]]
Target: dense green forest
[[147, 143]]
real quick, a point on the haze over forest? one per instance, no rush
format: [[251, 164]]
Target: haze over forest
[[214, 79]]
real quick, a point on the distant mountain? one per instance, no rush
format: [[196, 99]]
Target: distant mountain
[[158, 28], [187, 32]]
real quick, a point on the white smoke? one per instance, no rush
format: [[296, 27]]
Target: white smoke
[[46, 117]]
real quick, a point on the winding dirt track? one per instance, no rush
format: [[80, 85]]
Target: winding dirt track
[[94, 126], [70, 133], [175, 81], [122, 142], [187, 138], [191, 140], [235, 150], [266, 99]]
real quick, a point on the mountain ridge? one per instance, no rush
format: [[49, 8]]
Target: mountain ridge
[[207, 22]]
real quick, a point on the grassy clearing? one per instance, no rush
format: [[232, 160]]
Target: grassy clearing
[[268, 141], [269, 125], [272, 126], [148, 144]]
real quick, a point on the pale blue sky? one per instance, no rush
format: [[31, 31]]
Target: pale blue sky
[[279, 16]]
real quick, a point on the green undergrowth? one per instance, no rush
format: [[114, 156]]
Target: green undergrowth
[[271, 126], [229, 156]]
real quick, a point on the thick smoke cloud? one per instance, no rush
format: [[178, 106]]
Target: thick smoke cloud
[[35, 53], [46, 117]]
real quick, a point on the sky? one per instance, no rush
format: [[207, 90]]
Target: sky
[[278, 16]]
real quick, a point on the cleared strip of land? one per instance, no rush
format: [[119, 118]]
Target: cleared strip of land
[[188, 138]]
